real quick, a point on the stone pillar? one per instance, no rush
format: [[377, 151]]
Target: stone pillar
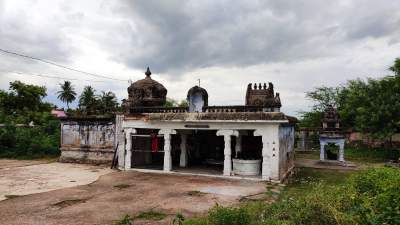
[[270, 151], [184, 157], [120, 139], [238, 146], [167, 148], [341, 150], [322, 150], [227, 149], [128, 147]]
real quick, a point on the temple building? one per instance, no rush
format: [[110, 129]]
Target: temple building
[[253, 140]]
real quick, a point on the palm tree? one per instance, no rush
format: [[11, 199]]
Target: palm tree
[[108, 101], [88, 99], [67, 93]]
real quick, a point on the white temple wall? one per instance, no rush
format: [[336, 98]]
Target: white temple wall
[[286, 149], [87, 141]]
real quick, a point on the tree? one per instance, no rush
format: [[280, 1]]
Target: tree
[[108, 102], [396, 67], [23, 98], [373, 106], [88, 100], [322, 97], [67, 93]]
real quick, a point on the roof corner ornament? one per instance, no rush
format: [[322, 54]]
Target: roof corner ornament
[[148, 72]]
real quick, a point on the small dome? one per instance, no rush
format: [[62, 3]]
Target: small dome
[[147, 92], [197, 98]]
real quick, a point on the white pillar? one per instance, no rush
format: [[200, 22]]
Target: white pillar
[[341, 151], [184, 157], [167, 148], [238, 146], [120, 139], [322, 151], [270, 151], [128, 147], [227, 149]]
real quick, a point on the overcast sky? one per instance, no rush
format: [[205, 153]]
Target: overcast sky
[[297, 45]]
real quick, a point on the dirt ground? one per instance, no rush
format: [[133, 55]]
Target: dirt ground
[[114, 195], [22, 177]]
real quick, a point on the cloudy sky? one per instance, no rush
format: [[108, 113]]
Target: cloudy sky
[[297, 45]]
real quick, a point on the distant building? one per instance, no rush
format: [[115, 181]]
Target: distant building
[[59, 113]]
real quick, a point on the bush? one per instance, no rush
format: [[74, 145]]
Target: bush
[[370, 197], [30, 142]]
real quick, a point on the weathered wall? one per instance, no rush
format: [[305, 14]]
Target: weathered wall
[[87, 141], [286, 149]]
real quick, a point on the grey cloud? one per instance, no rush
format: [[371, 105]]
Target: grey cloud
[[178, 36]]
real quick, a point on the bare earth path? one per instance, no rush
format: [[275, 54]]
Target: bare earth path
[[116, 194]]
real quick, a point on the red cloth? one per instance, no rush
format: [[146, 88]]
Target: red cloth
[[154, 143]]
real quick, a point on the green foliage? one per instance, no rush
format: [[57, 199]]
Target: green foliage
[[24, 104], [377, 197], [368, 197], [324, 96], [373, 106], [88, 99], [151, 215], [67, 93], [127, 220], [396, 67], [92, 104], [174, 103], [370, 106], [23, 97], [107, 102], [310, 119]]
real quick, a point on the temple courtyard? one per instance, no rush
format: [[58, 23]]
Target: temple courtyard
[[40, 192]]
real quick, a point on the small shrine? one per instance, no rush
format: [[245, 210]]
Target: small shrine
[[331, 134]]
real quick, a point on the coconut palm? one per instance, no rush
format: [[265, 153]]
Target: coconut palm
[[88, 100], [108, 101], [67, 93]]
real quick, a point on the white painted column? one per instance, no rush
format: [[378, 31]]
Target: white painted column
[[238, 146], [227, 149], [322, 151], [270, 151], [183, 157], [128, 147], [341, 151], [120, 139], [167, 148]]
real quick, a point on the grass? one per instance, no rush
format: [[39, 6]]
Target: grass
[[151, 215], [304, 178], [366, 155]]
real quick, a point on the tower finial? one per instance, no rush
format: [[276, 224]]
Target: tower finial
[[148, 72]]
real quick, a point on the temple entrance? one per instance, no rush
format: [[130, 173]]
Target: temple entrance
[[204, 153], [147, 150]]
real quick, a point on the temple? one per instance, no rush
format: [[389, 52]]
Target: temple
[[253, 140], [250, 141], [331, 134]]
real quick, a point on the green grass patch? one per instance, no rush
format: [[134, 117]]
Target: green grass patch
[[151, 215], [126, 220], [367, 155]]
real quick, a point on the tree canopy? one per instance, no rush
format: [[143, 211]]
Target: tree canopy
[[371, 106]]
